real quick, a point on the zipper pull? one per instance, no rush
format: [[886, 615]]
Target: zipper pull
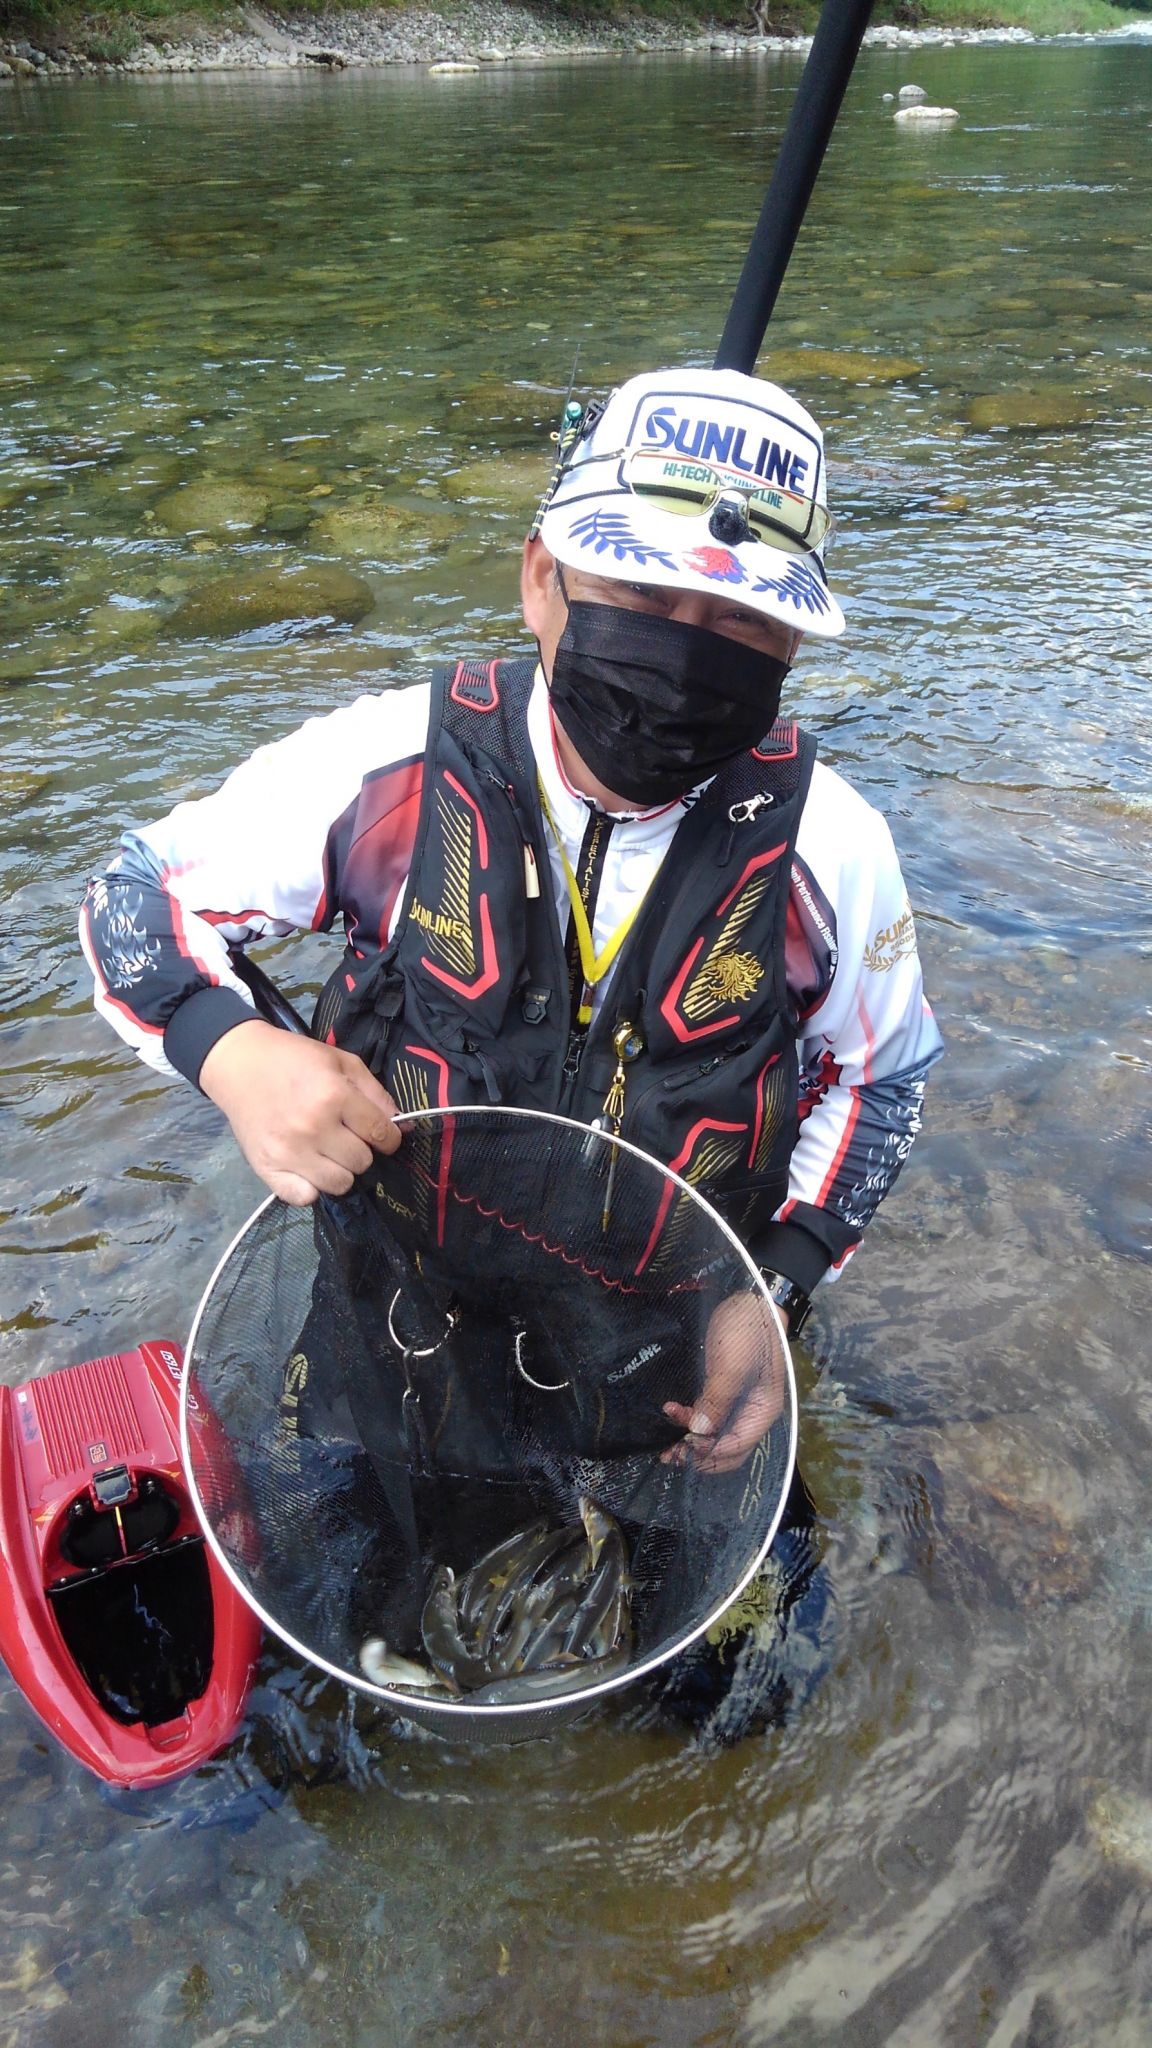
[[487, 1071], [531, 874], [627, 1044]]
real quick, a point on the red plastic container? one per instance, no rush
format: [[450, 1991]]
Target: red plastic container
[[116, 1621]]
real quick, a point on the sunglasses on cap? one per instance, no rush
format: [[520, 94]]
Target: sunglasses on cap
[[786, 520]]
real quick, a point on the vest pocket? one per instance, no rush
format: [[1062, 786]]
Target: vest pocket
[[727, 1123]]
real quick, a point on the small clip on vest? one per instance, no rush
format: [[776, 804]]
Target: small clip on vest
[[627, 1044], [742, 813]]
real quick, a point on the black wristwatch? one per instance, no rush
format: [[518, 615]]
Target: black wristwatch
[[790, 1299]]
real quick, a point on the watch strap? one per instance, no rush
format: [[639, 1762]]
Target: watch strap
[[789, 1298]]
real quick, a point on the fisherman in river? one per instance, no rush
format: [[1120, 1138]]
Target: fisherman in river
[[609, 866]]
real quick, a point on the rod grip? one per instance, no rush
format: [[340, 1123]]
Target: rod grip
[[271, 1004]]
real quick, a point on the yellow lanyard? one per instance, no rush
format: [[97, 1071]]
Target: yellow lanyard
[[594, 966]]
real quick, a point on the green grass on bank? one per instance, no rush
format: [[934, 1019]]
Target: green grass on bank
[[110, 30]]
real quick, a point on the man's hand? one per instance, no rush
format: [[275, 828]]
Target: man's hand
[[306, 1117], [745, 1379]]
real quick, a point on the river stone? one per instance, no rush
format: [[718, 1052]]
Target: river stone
[[307, 593], [1120, 1824], [214, 505], [1029, 412], [20, 786], [1018, 1497], [285, 473], [288, 521], [506, 480], [122, 625], [450, 69], [133, 485], [925, 117], [506, 406], [850, 366], [372, 525], [910, 95], [379, 440]]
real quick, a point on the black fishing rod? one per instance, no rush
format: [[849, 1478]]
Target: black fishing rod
[[271, 1003], [823, 82]]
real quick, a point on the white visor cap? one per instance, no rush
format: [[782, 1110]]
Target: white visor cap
[[643, 497]]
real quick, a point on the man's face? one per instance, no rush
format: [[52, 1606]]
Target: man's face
[[546, 614]]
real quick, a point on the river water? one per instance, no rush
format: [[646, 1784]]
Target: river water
[[344, 311]]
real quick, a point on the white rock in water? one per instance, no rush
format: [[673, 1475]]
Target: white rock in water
[[910, 92], [1121, 1826], [916, 117], [886, 97], [447, 70]]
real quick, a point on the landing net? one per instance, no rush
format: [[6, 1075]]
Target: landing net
[[481, 1340]]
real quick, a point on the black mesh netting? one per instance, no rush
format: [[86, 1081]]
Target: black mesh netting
[[484, 1332]]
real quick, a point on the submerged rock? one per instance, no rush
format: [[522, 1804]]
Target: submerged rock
[[1015, 1502], [850, 366], [509, 411], [122, 625], [371, 525], [287, 522], [214, 505], [1120, 1824], [304, 595], [1029, 412], [21, 786], [503, 479]]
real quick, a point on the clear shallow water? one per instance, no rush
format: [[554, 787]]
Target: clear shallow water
[[342, 295]]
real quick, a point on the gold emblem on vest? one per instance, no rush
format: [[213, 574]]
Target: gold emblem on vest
[[726, 975], [727, 978]]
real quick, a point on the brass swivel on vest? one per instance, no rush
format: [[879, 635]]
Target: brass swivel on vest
[[627, 1044]]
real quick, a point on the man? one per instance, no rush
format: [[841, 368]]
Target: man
[[622, 848]]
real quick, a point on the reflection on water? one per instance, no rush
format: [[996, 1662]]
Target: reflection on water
[[253, 328]]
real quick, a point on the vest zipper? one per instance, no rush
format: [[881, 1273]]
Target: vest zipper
[[492, 1086], [671, 1082]]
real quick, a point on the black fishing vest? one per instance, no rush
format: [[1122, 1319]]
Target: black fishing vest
[[469, 1002]]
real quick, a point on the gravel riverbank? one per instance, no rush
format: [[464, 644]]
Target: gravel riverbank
[[473, 33]]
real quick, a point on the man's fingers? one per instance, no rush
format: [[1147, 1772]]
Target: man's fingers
[[292, 1188], [370, 1109]]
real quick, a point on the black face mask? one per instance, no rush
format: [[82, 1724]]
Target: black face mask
[[654, 706]]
